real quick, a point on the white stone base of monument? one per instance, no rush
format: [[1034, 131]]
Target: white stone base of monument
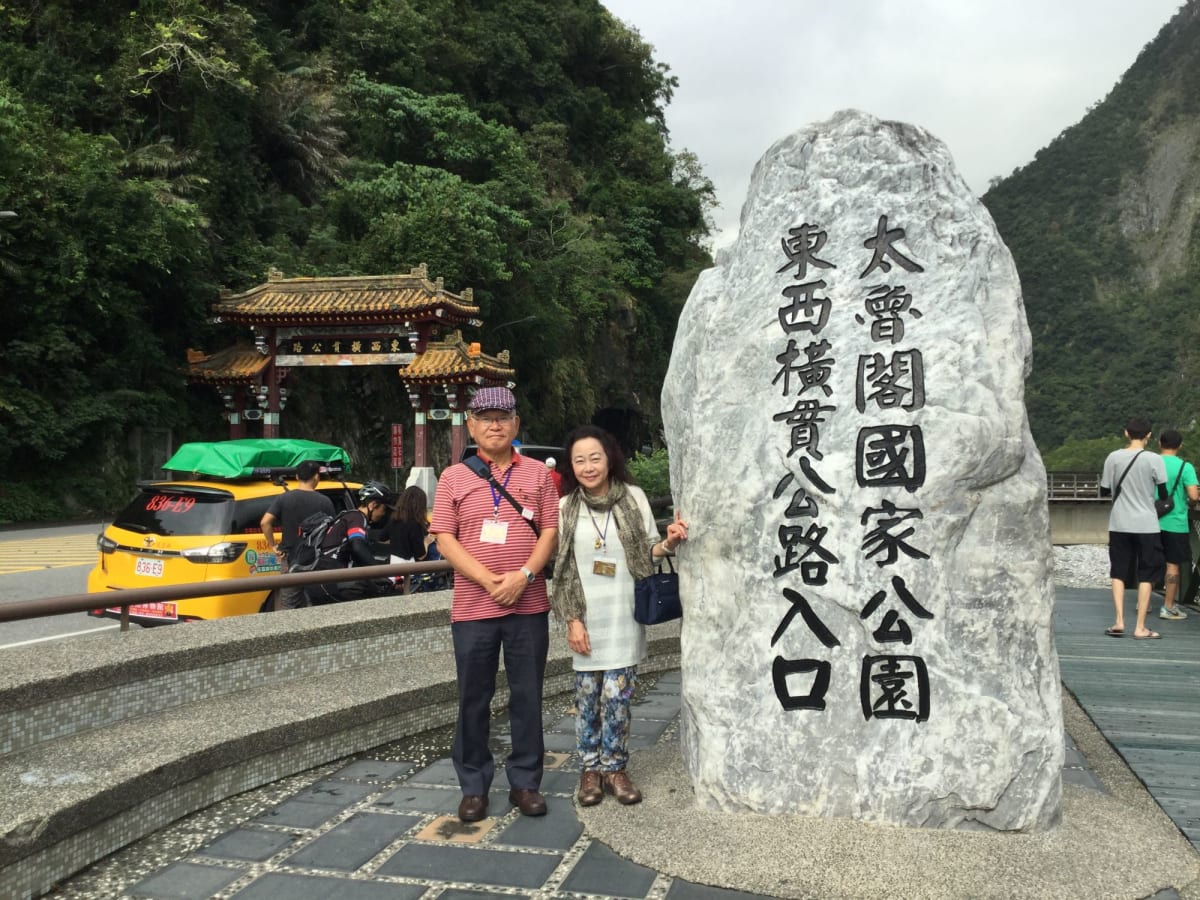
[[867, 582]]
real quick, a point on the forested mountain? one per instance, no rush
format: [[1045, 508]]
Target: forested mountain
[[1103, 227], [157, 151]]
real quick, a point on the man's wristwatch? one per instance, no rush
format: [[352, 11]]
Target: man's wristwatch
[[529, 576]]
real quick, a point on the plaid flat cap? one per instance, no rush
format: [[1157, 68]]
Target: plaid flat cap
[[493, 398]]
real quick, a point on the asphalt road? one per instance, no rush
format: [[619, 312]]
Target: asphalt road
[[48, 562]]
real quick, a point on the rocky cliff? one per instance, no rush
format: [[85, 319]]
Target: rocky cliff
[[1102, 227]]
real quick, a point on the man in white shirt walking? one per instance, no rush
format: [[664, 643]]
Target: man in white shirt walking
[[1132, 476]]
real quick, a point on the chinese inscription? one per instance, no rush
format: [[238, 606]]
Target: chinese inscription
[[889, 463]]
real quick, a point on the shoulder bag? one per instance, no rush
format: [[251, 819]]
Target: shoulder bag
[[656, 598], [484, 471], [1163, 507]]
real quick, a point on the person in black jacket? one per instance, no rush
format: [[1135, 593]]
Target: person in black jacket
[[286, 512], [408, 530], [346, 545]]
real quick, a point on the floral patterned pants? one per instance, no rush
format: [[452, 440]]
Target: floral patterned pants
[[602, 725]]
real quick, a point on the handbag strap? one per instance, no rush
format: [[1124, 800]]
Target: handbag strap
[[484, 471], [658, 565], [1117, 489], [1178, 475]]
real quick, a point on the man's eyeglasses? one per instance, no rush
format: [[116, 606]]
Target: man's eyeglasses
[[494, 420]]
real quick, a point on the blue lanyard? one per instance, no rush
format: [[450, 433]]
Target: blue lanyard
[[496, 495], [601, 536]]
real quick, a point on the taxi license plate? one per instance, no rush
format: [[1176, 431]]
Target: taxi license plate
[[151, 567]]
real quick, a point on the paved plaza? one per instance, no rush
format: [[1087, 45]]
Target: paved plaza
[[384, 825]]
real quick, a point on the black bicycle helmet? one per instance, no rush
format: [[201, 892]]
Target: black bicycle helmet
[[377, 491]]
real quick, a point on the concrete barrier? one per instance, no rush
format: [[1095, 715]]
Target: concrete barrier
[[107, 739], [1079, 522]]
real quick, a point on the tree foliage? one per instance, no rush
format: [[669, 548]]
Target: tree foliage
[[652, 473], [156, 151]]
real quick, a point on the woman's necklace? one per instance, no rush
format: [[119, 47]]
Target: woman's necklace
[[601, 536]]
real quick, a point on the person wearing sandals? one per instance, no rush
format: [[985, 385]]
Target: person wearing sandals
[[607, 540], [1133, 477]]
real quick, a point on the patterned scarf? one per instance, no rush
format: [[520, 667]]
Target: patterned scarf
[[567, 595]]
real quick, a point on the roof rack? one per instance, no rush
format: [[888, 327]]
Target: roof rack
[[255, 458]]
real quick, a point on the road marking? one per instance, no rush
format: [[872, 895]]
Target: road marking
[[36, 554], [55, 637]]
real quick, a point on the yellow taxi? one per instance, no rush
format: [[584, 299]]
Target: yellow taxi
[[205, 526]]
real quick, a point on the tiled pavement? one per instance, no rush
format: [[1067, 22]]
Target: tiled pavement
[[379, 828], [385, 826], [1140, 694]]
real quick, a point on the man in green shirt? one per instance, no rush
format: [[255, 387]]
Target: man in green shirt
[[1181, 481]]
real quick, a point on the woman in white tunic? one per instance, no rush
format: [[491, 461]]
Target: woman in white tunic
[[607, 539]]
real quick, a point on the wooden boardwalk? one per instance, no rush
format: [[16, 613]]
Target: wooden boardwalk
[[1143, 695]]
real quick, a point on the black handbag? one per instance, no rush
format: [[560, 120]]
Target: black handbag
[[1164, 506], [656, 598]]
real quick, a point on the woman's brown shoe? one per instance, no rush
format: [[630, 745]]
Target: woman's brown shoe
[[620, 786], [590, 792]]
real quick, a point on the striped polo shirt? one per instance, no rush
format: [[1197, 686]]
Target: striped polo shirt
[[464, 501]]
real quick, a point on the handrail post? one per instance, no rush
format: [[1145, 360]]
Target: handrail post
[[124, 616]]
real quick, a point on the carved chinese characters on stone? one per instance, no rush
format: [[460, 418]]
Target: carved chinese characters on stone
[[890, 455]]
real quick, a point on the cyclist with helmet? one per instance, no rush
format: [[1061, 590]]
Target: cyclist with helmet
[[346, 545]]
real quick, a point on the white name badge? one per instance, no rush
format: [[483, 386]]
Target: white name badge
[[493, 532], [605, 565]]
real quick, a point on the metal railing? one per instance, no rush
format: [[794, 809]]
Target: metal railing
[[1074, 486], [72, 603], [1080, 486]]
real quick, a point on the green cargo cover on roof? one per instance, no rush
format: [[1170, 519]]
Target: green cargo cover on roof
[[240, 459]]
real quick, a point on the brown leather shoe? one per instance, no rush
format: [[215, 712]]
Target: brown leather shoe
[[472, 807], [620, 786], [528, 801], [590, 792]]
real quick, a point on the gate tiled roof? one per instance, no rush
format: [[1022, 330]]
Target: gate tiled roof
[[352, 300], [240, 364], [455, 361]]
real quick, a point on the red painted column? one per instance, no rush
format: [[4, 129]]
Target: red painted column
[[419, 398], [420, 441], [237, 424], [271, 415], [458, 435]]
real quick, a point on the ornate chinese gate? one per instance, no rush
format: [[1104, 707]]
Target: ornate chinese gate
[[407, 321]]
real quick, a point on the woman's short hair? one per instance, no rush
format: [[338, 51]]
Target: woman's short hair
[[617, 470]]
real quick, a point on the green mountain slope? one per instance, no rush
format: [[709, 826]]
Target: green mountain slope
[[1102, 227]]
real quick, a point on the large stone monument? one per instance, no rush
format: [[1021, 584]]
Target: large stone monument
[[867, 586]]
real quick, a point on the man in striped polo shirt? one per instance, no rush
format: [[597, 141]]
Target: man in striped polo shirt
[[499, 602]]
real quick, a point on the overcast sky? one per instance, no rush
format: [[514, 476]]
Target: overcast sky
[[996, 80]]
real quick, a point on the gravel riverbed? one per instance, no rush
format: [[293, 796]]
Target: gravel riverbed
[[1081, 566]]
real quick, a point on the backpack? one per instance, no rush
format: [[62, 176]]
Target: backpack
[[309, 553]]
